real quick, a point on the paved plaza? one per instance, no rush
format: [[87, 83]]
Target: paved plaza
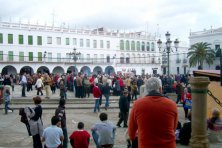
[[14, 134]]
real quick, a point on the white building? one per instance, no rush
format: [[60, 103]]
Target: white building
[[212, 36], [36, 48]]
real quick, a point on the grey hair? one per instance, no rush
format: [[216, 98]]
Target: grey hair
[[153, 84]]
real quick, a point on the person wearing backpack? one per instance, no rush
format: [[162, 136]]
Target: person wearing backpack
[[35, 122]]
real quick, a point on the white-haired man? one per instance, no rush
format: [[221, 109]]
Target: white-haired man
[[154, 118]]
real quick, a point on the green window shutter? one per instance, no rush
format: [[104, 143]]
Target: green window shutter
[[30, 40], [39, 40], [10, 38], [21, 39], [121, 45], [1, 38], [39, 56], [30, 56], [1, 55], [10, 56], [21, 56]]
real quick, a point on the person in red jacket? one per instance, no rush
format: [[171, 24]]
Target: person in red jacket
[[185, 95], [80, 137], [96, 95]]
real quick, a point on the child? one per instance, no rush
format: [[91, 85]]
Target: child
[[7, 101], [80, 138]]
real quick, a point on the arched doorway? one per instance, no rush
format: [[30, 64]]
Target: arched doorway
[[72, 69], [7, 70], [58, 70], [43, 69], [109, 70], [97, 70], [27, 69], [86, 70]]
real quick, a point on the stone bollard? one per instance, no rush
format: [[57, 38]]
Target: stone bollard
[[199, 86]]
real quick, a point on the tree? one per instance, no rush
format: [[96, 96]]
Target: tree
[[200, 52]]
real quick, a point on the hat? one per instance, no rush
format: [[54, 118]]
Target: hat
[[125, 90]]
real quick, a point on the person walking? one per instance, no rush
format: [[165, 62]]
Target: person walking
[[106, 93], [124, 108], [96, 95], [39, 85], [23, 82], [154, 118], [6, 96], [60, 112]]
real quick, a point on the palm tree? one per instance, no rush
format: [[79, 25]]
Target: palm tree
[[200, 52]]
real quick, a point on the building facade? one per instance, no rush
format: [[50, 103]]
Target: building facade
[[36, 49], [212, 36]]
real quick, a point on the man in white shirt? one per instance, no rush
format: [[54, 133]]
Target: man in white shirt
[[23, 82], [53, 135]]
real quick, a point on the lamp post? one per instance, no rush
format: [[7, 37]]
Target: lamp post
[[75, 56], [168, 49]]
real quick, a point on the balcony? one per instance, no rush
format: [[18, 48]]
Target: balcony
[[164, 62]]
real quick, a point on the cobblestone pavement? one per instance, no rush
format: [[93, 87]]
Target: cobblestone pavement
[[14, 134]]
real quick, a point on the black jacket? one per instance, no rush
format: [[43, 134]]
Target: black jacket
[[123, 104], [185, 134], [60, 112], [38, 113]]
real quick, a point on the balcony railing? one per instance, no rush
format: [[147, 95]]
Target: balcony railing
[[184, 61]]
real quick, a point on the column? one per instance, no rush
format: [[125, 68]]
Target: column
[[199, 86]]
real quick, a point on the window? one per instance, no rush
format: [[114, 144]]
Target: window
[[102, 58], [49, 57], [67, 41], [152, 46], [49, 40], [127, 45], [81, 43], [138, 46], [121, 60], [108, 59], [58, 40], [127, 60], [133, 45], [10, 55], [30, 40], [147, 46], [39, 40], [58, 57], [21, 56], [30, 56], [20, 39], [88, 57], [95, 57], [121, 45], [178, 70], [39, 56], [74, 41], [101, 43], [1, 38], [10, 38], [1, 55], [108, 44], [94, 44], [143, 46], [217, 47], [87, 43]]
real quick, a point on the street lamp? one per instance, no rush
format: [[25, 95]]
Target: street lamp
[[75, 56], [168, 48]]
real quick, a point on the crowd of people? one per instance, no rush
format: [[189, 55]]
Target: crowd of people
[[151, 122]]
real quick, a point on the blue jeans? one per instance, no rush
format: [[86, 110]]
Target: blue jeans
[[96, 138], [96, 105], [7, 107], [65, 141], [107, 101]]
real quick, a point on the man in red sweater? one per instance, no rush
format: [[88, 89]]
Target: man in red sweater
[[96, 95], [154, 118], [80, 138]]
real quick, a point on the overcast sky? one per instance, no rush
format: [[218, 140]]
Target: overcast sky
[[155, 16]]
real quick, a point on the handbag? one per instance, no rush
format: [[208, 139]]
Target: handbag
[[188, 104]]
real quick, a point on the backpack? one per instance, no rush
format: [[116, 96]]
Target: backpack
[[22, 113]]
